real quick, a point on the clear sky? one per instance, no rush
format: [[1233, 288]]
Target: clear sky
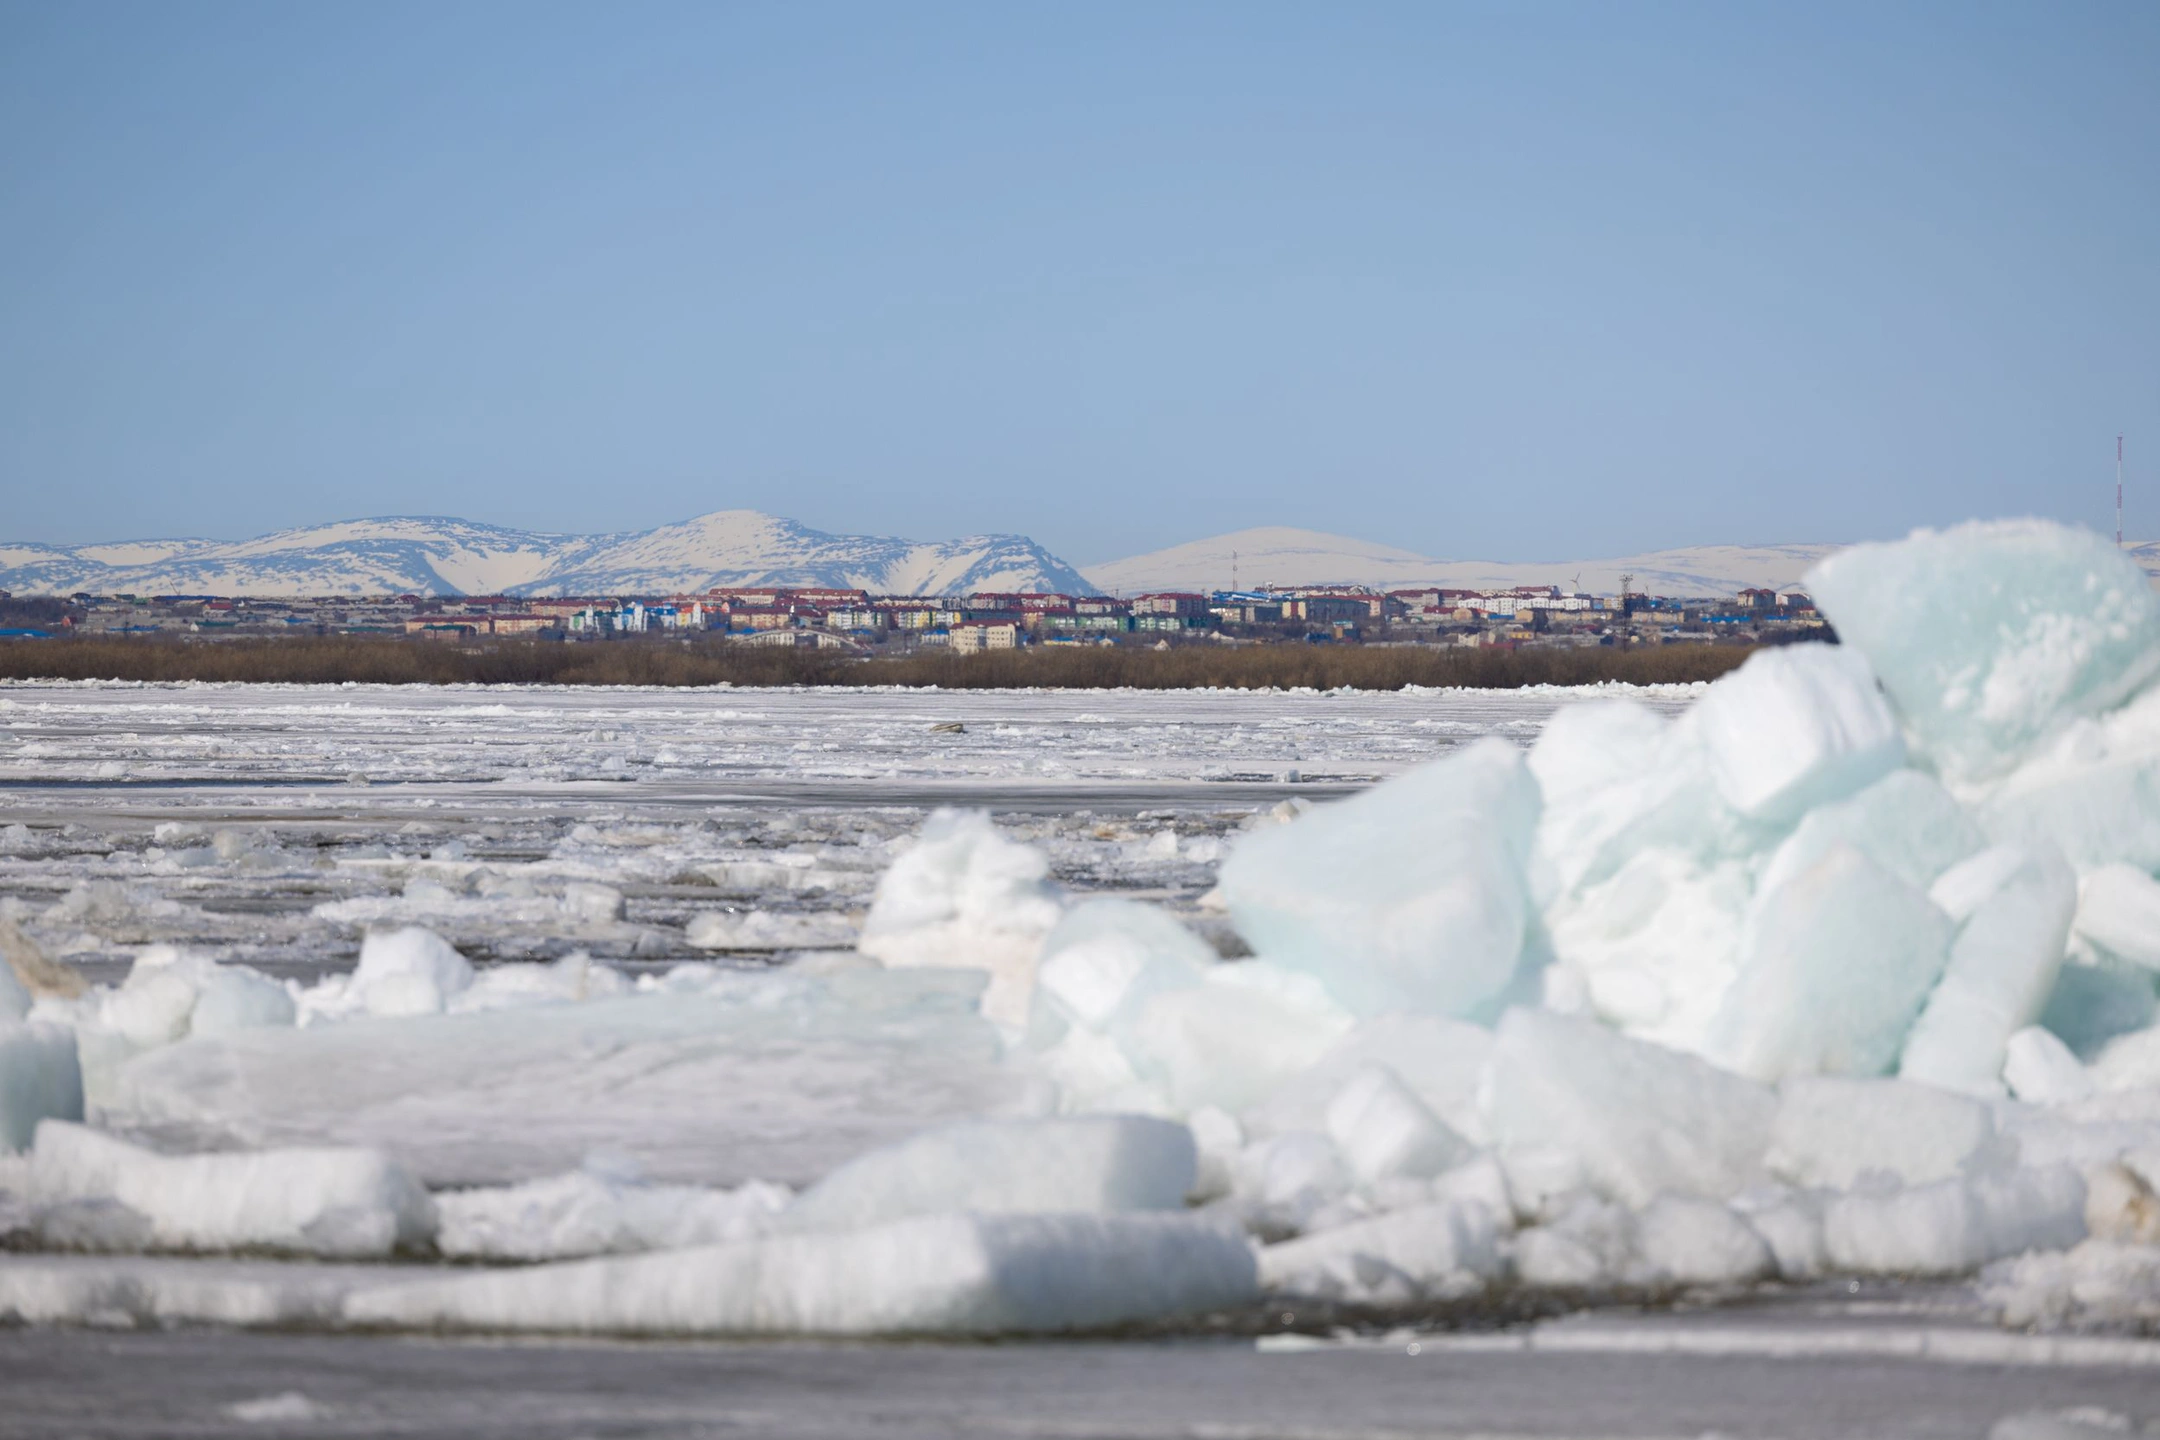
[[1513, 280]]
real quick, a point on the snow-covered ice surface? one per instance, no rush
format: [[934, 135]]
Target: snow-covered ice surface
[[278, 823], [801, 1014], [775, 1076], [712, 739]]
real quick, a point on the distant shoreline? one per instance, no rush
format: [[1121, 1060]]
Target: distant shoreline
[[365, 660]]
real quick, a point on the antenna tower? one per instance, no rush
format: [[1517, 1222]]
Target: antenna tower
[[2118, 492], [1233, 568]]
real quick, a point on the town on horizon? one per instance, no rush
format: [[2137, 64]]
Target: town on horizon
[[859, 622]]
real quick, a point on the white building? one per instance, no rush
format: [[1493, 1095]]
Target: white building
[[974, 639]]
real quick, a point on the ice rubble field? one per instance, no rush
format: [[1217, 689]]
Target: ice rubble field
[[293, 889], [722, 821], [1847, 970]]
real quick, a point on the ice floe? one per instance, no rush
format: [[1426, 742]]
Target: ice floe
[[934, 1274], [592, 1211], [93, 1191], [1408, 898], [1090, 1164]]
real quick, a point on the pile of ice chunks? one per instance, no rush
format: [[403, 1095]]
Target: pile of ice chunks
[[1847, 970]]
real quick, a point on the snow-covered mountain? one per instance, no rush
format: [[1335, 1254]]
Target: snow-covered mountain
[[428, 555], [743, 547], [1308, 557]]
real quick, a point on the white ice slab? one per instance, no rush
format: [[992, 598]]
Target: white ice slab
[[931, 1275], [1835, 1132], [1796, 727], [586, 1213], [2003, 964], [337, 1203], [1834, 968], [1439, 1251], [1957, 1225], [1640, 1118], [39, 1079], [2118, 908], [963, 896], [1406, 898], [1088, 1164], [1992, 636]]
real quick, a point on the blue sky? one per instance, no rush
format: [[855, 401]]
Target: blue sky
[[1514, 281]]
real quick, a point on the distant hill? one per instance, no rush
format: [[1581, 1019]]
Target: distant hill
[[1279, 556], [430, 555]]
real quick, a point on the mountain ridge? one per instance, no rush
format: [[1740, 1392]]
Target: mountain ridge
[[445, 555]]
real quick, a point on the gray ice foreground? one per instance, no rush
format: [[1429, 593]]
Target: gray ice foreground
[[1802, 1368], [326, 779]]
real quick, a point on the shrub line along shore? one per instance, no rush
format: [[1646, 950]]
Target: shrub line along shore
[[342, 659]]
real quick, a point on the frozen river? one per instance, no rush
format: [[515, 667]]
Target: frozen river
[[277, 822], [276, 825], [675, 747]]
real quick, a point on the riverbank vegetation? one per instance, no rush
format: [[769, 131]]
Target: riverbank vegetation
[[713, 661]]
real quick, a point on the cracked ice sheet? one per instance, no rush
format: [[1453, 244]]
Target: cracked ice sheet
[[221, 816], [773, 1076]]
